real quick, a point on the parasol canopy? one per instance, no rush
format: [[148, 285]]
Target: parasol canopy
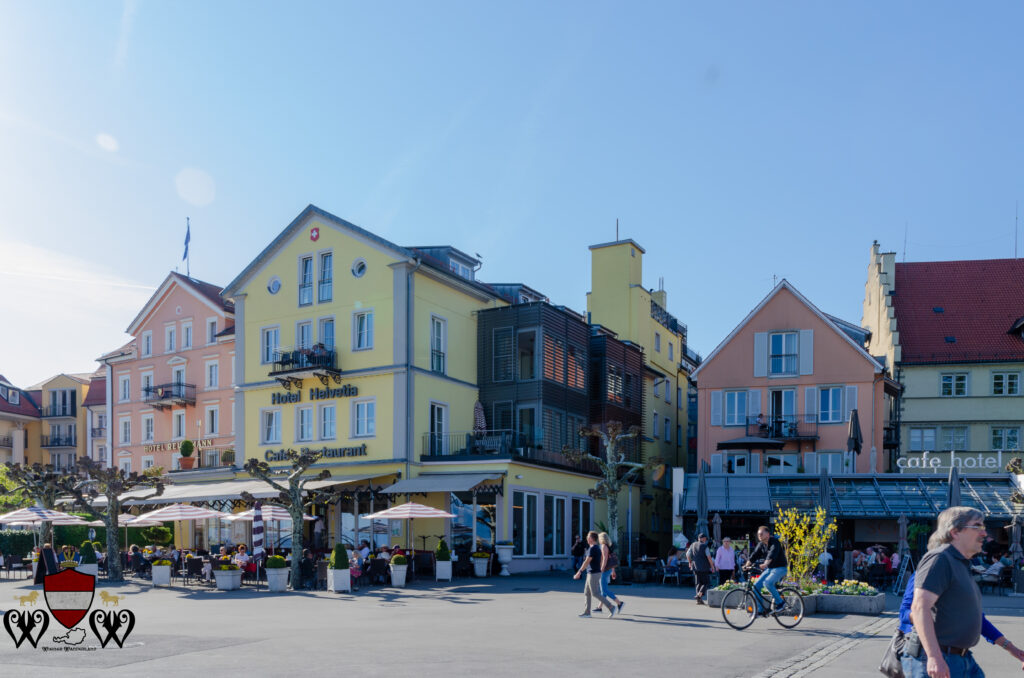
[[181, 512], [270, 512], [408, 511], [36, 514]]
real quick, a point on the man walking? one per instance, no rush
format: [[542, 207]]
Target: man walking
[[701, 565], [946, 611], [773, 564], [592, 566]]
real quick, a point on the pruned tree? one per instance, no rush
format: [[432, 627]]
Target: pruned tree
[[616, 470], [38, 483], [95, 481], [290, 482], [11, 498]]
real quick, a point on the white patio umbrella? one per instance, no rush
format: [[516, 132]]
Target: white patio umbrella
[[35, 514], [409, 511], [270, 512], [181, 512], [124, 520]]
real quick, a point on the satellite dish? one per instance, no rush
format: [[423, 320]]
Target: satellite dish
[[659, 471]]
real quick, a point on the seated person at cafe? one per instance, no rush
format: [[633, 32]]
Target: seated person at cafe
[[672, 566], [385, 553], [396, 550], [992, 573], [307, 571], [223, 555], [364, 549], [241, 558]]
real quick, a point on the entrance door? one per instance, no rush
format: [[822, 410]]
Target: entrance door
[[438, 439], [782, 412]]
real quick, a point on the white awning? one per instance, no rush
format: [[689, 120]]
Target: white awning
[[228, 489], [441, 482]]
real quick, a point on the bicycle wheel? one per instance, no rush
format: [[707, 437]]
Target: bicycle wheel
[[739, 609], [793, 613]]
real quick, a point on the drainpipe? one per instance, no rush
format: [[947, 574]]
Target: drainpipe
[[409, 418], [874, 450]]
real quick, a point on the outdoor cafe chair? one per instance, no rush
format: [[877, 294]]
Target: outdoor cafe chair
[[666, 574]]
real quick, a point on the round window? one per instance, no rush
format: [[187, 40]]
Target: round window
[[359, 267], [274, 285]]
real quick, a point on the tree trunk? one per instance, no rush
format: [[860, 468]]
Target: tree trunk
[[296, 511], [613, 516], [114, 571]]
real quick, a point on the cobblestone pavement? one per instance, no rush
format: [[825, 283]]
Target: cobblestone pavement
[[522, 625]]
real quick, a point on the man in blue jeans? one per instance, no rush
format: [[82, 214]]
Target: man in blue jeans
[[773, 564]]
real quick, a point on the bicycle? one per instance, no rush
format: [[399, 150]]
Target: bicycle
[[740, 607]]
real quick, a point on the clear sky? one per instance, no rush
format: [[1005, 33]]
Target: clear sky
[[734, 141]]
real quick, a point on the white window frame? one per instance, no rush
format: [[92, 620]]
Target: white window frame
[[558, 547], [186, 335], [124, 388], [125, 464], [795, 356], [148, 462], [212, 370], [946, 441], [835, 405], [302, 280], [124, 428], [1003, 431], [739, 416], [1008, 378], [267, 352], [170, 338], [211, 420], [307, 436], [14, 396], [320, 280], [148, 432], [538, 508], [147, 343], [369, 429], [955, 379], [332, 434], [146, 382], [441, 341], [321, 324], [275, 434], [310, 340], [657, 342], [211, 331], [921, 433], [782, 456], [178, 432], [357, 336]]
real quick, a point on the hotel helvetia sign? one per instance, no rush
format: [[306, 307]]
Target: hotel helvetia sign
[[287, 397]]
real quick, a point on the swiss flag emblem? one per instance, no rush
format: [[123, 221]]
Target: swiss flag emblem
[[314, 234]]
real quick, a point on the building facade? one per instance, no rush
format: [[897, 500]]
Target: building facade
[[20, 426], [64, 437], [96, 419], [954, 333]]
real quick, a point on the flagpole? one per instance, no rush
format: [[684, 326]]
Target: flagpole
[[188, 257]]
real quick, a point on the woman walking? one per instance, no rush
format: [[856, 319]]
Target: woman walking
[[725, 561], [609, 561]]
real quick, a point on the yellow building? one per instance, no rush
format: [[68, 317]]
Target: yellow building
[[65, 424], [20, 424]]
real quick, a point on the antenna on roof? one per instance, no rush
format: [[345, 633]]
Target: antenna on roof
[[616, 229], [905, 229]]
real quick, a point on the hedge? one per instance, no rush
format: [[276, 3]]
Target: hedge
[[18, 542]]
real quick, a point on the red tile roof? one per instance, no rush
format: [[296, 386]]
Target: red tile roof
[[97, 394], [959, 311], [25, 407], [208, 290]]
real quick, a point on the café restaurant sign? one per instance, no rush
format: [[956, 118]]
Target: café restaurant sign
[[941, 462], [173, 446], [286, 397], [327, 452]]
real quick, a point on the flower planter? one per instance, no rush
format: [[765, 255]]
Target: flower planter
[[91, 569], [339, 580], [228, 580], [480, 566], [397, 574], [504, 558], [161, 575], [443, 570], [829, 603], [277, 579], [187, 463]]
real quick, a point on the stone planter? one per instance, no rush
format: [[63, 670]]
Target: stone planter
[[504, 558], [480, 566], [228, 580], [277, 579], [833, 604], [398, 573], [339, 580], [161, 575], [443, 570], [91, 568]]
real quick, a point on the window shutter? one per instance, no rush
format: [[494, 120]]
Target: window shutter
[[851, 400], [806, 351], [810, 404], [753, 403], [716, 462], [716, 408], [761, 354], [755, 462], [810, 462]]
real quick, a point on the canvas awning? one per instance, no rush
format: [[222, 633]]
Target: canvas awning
[[442, 482], [227, 490], [751, 443]]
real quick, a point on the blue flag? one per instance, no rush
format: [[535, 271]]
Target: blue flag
[[188, 236]]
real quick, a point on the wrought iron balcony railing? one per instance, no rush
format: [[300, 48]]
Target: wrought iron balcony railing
[[98, 432], [782, 427], [59, 441], [60, 411], [437, 359], [289, 360], [498, 442], [166, 395]]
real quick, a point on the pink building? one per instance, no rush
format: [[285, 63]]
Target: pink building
[[778, 394], [175, 379]]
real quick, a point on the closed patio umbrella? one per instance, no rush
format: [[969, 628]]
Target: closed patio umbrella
[[825, 491], [855, 439], [902, 546], [702, 502], [1016, 552], [716, 528], [257, 539], [953, 491], [479, 420]]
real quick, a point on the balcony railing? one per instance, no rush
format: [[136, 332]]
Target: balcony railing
[[891, 436], [166, 395], [305, 294], [783, 427], [502, 442], [325, 291], [437, 361], [288, 360], [60, 411], [98, 432], [59, 441], [6, 441]]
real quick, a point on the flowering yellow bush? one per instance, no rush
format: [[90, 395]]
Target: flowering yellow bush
[[805, 539]]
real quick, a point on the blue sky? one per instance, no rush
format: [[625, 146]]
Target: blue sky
[[735, 141]]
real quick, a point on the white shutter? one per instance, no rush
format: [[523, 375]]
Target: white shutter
[[755, 462], [806, 351], [810, 462], [716, 462], [760, 354], [716, 408], [851, 400], [753, 403], [810, 404]]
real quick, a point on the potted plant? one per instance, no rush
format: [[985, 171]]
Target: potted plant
[[339, 578], [227, 457], [186, 448], [481, 559], [443, 562], [277, 573], [504, 549], [162, 572], [228, 576], [399, 567], [88, 564]]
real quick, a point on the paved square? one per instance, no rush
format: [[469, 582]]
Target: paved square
[[522, 625]]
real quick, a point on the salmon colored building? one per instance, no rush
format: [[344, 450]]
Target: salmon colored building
[[175, 379], [777, 395]]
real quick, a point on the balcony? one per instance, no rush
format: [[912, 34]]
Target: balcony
[[291, 363], [325, 291], [891, 437], [98, 432], [169, 395], [783, 427], [437, 359], [52, 411], [59, 441], [6, 441], [505, 444]]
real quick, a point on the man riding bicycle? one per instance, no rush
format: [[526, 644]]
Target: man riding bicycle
[[772, 558]]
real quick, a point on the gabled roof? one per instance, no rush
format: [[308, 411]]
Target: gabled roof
[[959, 311], [824, 317], [97, 394], [80, 377], [207, 293], [126, 351], [26, 407]]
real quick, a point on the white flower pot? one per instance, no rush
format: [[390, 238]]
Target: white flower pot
[[398, 574], [443, 570], [161, 575], [277, 579], [339, 580], [480, 566], [228, 580], [504, 558], [91, 568]]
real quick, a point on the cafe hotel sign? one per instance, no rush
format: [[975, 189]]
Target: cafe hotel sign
[[286, 397], [965, 462]]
